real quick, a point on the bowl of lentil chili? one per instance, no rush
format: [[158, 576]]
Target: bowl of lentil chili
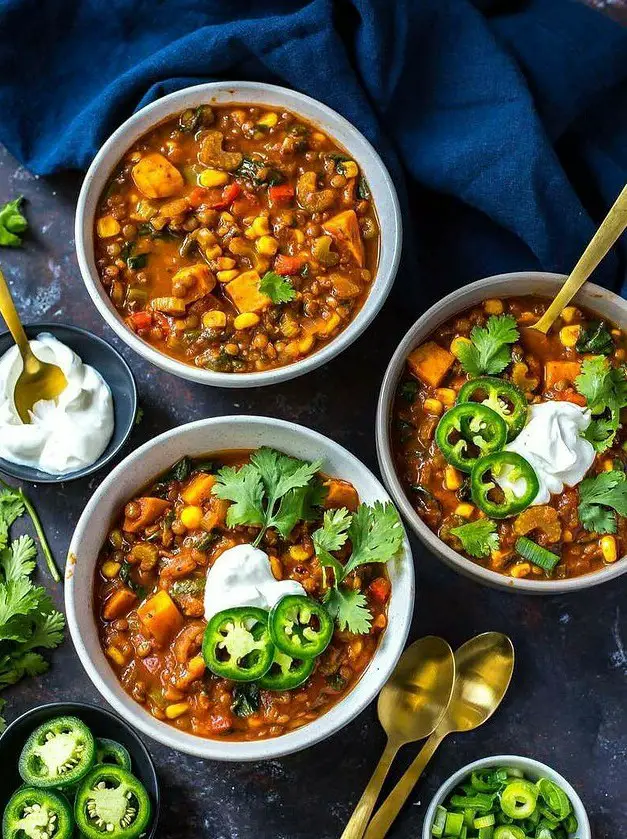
[[157, 552], [505, 449], [238, 234]]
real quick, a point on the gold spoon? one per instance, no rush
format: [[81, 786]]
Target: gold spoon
[[38, 379], [410, 707], [611, 228], [484, 667]]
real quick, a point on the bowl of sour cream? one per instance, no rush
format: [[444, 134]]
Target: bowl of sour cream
[[88, 423]]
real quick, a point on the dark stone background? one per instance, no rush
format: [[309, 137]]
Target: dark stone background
[[567, 699]]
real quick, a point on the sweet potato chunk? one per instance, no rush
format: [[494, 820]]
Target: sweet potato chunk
[[160, 617], [156, 177], [245, 294], [216, 514], [343, 288], [199, 489], [430, 363], [560, 371], [119, 603], [344, 228], [341, 494], [196, 279], [150, 510]]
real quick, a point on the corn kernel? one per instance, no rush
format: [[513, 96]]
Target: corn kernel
[[569, 314], [226, 218], [298, 236], [305, 344], [110, 569], [608, 548], [331, 324], [521, 569], [259, 227], [464, 510], [620, 354], [615, 332], [225, 263], [452, 478], [433, 406], [246, 320], [269, 119], [567, 536], [213, 252], [276, 567], [176, 710], [446, 395], [569, 335], [107, 226], [116, 654], [213, 177], [457, 342], [227, 276], [299, 553], [191, 516], [608, 465], [267, 245], [214, 319], [349, 169], [493, 307]]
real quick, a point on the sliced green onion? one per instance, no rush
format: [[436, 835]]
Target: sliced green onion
[[481, 801], [509, 831], [536, 554], [484, 821], [571, 825], [454, 824], [469, 817], [555, 797], [486, 833], [519, 799], [437, 828]]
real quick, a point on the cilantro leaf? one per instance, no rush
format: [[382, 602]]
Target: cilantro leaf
[[18, 560], [11, 507], [278, 288], [47, 632], [596, 494], [244, 488], [299, 504], [595, 338], [605, 390], [334, 531], [478, 538], [15, 667], [12, 224], [376, 534], [349, 609], [601, 433], [488, 350]]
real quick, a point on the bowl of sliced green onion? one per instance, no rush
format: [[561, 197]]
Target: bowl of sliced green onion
[[506, 797]]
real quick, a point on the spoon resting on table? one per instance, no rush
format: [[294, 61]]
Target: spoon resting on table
[[38, 379]]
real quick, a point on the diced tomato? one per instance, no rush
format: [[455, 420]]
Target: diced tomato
[[281, 194], [380, 589], [229, 194], [220, 723], [288, 265], [140, 320], [197, 196], [570, 395]]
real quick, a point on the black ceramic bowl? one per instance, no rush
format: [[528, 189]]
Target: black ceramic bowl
[[102, 724], [116, 373]]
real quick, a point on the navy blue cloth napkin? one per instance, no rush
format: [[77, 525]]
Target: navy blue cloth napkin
[[504, 123]]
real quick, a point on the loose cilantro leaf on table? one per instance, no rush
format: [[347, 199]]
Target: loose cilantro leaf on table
[[488, 351], [12, 224], [605, 389], [278, 288], [596, 495], [478, 538]]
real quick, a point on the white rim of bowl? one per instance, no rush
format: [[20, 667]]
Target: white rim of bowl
[[223, 93], [314, 732], [516, 761], [433, 316]]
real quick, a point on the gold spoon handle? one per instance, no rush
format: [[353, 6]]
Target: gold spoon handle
[[10, 315], [389, 810], [611, 228], [358, 821]]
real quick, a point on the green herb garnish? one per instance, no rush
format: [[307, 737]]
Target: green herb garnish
[[479, 538], [489, 351], [246, 699], [259, 173], [596, 495], [12, 224], [605, 389], [137, 262], [409, 390], [595, 338], [278, 288]]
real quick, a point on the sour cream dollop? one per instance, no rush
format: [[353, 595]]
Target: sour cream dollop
[[67, 434], [552, 444], [242, 576]]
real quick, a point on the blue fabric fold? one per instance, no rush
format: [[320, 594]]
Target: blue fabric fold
[[504, 124]]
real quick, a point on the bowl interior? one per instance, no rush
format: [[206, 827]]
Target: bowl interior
[[533, 769], [113, 369], [201, 438], [604, 303], [379, 181], [102, 723]]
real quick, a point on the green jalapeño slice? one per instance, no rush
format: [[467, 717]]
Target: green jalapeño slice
[[110, 751], [300, 627], [502, 396], [286, 672], [37, 813], [57, 754], [111, 802], [237, 644], [500, 503], [469, 431]]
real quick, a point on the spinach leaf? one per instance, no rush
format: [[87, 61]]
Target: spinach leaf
[[246, 699]]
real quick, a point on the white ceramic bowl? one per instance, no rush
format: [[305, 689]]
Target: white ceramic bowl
[[137, 470], [598, 300], [533, 769], [222, 93]]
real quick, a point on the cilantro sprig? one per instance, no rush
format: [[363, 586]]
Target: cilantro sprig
[[28, 620], [479, 538], [488, 351], [273, 490], [600, 498], [376, 535], [278, 288], [605, 390], [12, 224]]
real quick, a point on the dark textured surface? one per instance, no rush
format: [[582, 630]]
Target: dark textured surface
[[566, 703]]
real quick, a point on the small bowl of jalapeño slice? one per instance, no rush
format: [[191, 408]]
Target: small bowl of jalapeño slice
[[75, 769]]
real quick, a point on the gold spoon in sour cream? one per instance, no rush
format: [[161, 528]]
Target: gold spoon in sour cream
[[38, 379], [611, 228]]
